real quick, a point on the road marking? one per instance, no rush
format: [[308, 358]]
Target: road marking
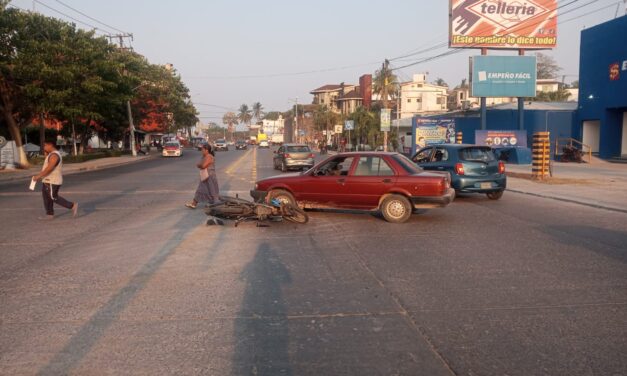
[[234, 165], [254, 169]]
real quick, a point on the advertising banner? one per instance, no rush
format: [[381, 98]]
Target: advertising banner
[[503, 76], [506, 24], [501, 139], [386, 115], [433, 132]]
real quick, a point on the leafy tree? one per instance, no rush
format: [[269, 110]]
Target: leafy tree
[[547, 66], [575, 84], [554, 96], [385, 80], [367, 126], [273, 115], [257, 111], [440, 82], [245, 115], [230, 120]]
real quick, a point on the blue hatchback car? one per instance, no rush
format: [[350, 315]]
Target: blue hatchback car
[[473, 168]]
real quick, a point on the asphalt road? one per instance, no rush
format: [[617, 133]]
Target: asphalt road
[[139, 285]]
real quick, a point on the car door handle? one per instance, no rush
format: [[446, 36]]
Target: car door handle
[[341, 181], [387, 181]]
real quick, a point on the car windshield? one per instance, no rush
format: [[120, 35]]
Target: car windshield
[[172, 144], [406, 164], [298, 149], [240, 142], [220, 141], [476, 154]]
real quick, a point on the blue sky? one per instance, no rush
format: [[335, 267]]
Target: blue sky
[[214, 43]]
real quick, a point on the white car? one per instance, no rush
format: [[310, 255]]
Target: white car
[[264, 144], [172, 149]]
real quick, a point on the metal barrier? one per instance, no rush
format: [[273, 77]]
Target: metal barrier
[[458, 137], [541, 155], [561, 143]]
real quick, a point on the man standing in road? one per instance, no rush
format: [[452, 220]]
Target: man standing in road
[[52, 176]]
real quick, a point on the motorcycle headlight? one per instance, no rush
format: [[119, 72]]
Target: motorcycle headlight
[[256, 186]]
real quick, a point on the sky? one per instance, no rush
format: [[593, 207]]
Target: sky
[[230, 52]]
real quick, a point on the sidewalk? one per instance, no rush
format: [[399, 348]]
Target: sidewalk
[[74, 168], [600, 184]]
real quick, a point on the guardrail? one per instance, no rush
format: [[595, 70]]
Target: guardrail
[[571, 142]]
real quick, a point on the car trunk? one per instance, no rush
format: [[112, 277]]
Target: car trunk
[[478, 161], [297, 153]]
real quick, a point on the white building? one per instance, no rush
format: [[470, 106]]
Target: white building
[[419, 97], [271, 127]]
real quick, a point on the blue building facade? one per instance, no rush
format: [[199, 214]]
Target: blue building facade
[[602, 114]]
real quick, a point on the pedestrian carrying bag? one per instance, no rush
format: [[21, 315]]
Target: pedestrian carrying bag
[[204, 174]]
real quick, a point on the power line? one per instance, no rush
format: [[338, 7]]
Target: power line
[[91, 18], [72, 18]]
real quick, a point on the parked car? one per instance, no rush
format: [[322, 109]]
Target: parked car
[[172, 149], [220, 144], [241, 145], [264, 144], [293, 157], [473, 168], [388, 182]]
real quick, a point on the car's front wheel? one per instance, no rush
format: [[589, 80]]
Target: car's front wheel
[[396, 209], [495, 195], [282, 196]]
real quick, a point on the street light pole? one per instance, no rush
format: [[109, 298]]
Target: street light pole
[[296, 121], [131, 129]]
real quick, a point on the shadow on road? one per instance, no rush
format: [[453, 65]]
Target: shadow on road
[[91, 332], [608, 243], [261, 331]]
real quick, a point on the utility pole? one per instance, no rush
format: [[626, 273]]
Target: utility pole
[[384, 72], [120, 40], [131, 127], [296, 121]]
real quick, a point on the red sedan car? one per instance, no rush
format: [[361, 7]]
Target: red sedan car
[[388, 182]]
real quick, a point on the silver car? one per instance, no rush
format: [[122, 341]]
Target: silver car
[[293, 157]]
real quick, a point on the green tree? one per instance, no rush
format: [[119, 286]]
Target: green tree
[[273, 115], [385, 81], [245, 115], [440, 82], [257, 111]]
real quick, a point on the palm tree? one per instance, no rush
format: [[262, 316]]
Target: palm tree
[[244, 115], [230, 120], [385, 81], [258, 111]]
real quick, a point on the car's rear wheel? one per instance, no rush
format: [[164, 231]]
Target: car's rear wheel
[[396, 209], [282, 196], [495, 195]]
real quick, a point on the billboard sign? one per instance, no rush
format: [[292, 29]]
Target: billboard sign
[[386, 116], [508, 24], [428, 131], [503, 76], [501, 139]]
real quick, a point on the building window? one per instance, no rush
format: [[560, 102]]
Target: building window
[[321, 101], [440, 100], [408, 100]]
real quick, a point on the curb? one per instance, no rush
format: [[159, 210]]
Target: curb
[[571, 201], [82, 169]]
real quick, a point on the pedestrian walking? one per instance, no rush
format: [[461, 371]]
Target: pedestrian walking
[[52, 178], [208, 189]]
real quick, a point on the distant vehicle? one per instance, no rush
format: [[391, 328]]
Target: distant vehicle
[[241, 145], [201, 144], [264, 144], [172, 149], [231, 143], [293, 157], [221, 144], [276, 139], [252, 140], [387, 182], [473, 169]]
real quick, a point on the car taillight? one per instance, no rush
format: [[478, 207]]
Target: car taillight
[[459, 169], [501, 167], [311, 155], [286, 155]]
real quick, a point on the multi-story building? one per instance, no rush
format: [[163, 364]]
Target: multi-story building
[[329, 95], [274, 126], [419, 97]]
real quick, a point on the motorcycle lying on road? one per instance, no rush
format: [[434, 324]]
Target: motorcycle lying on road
[[240, 210]]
